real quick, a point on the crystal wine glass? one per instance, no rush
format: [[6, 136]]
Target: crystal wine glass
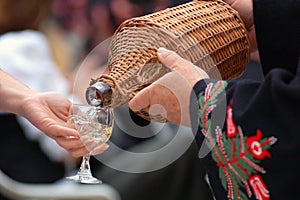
[[95, 126]]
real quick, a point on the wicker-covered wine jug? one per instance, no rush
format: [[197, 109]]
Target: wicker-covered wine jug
[[208, 33]]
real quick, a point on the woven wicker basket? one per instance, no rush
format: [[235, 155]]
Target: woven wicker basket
[[210, 34]]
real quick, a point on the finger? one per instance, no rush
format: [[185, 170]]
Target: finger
[[141, 100], [89, 143], [171, 59], [176, 63], [79, 152], [59, 131], [100, 149], [185, 68], [73, 146], [69, 143]]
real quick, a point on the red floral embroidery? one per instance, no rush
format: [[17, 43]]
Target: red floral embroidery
[[260, 190], [230, 125], [237, 156], [256, 147]]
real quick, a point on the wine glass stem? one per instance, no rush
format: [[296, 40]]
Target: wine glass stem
[[85, 168]]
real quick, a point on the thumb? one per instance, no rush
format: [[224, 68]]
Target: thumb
[[141, 100]]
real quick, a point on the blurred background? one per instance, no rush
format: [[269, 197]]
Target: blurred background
[[75, 27], [43, 43]]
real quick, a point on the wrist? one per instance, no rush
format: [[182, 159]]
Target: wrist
[[12, 93], [19, 99]]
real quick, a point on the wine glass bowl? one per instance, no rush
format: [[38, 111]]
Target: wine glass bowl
[[95, 127]]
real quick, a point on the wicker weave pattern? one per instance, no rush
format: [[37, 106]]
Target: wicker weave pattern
[[208, 33]]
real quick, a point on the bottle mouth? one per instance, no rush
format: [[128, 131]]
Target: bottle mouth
[[99, 94]]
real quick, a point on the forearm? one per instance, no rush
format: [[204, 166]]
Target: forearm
[[12, 93]]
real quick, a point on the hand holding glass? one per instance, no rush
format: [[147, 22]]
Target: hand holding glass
[[95, 126]]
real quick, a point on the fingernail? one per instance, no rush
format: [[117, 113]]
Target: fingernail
[[105, 147], [99, 149]]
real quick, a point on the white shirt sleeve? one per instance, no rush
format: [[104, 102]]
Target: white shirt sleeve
[[27, 57]]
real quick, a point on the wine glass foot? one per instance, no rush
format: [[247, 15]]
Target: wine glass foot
[[84, 179]]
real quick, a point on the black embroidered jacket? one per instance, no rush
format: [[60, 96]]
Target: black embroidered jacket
[[247, 130]]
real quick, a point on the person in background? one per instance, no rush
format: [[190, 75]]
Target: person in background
[[256, 153]]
